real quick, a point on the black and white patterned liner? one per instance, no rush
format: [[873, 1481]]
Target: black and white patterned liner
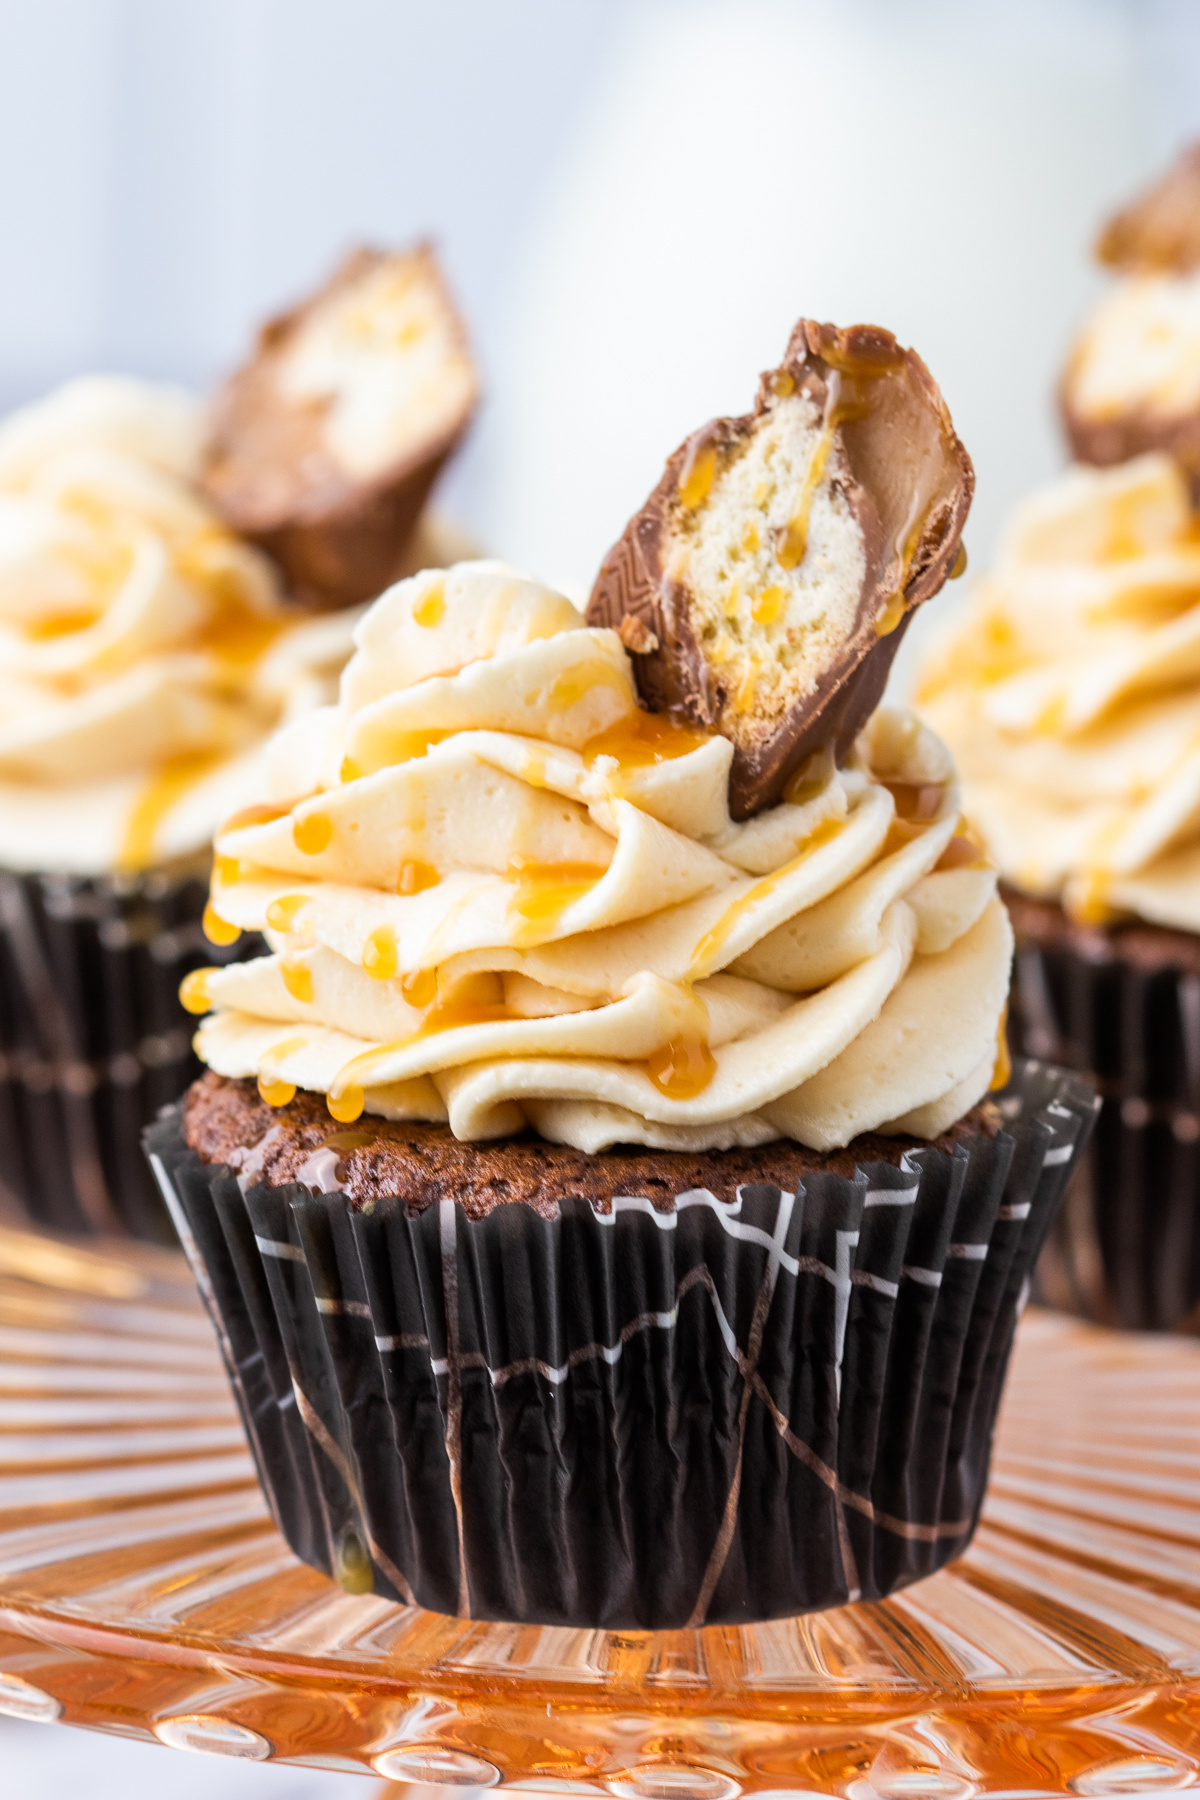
[[1126, 1247], [727, 1412], [93, 1040]]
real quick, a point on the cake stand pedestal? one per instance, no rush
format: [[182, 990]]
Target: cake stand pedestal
[[144, 1590]]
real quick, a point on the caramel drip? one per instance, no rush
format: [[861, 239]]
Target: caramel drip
[[229, 870], [574, 685], [644, 739], [444, 1015], [1002, 1072], [381, 954], [313, 833], [276, 1092], [218, 930], [264, 814], [793, 540], [958, 567], [768, 608], [707, 952], [697, 472], [890, 616], [346, 1106], [431, 607], [544, 892], [419, 987], [61, 624], [684, 1066], [161, 793], [282, 913], [194, 996], [416, 877], [297, 979], [387, 749]]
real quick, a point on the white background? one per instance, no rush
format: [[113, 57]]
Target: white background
[[635, 199]]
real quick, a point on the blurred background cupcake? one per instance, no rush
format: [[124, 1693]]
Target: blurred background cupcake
[[1070, 692], [147, 650]]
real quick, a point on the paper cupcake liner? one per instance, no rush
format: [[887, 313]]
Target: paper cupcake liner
[[93, 1040], [1126, 1248], [728, 1412]]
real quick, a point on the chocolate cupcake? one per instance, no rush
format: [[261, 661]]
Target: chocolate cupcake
[[145, 656], [660, 1260], [1068, 694]]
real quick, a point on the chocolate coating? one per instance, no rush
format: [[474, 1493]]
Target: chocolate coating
[[418, 1164], [339, 540], [1160, 230], [908, 480]]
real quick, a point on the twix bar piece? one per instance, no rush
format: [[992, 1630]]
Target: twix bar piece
[[765, 585]]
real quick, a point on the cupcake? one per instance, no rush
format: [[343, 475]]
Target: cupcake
[[1068, 692], [155, 567], [146, 654], [605, 1192], [1132, 381]]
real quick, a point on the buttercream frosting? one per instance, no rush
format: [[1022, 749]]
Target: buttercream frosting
[[499, 894], [1069, 692], [145, 651]]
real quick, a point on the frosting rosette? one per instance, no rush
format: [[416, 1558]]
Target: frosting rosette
[[499, 894], [145, 651], [1069, 692]]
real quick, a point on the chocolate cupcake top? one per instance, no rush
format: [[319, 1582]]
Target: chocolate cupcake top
[[499, 893], [1069, 693], [145, 653]]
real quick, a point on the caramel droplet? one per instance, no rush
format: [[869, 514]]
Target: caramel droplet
[[282, 913], [217, 930], [381, 957], [1002, 1073], [793, 539], [253, 815], [346, 1106], [193, 991], [297, 979], [959, 566], [683, 1068], [697, 472], [430, 607], [420, 988], [312, 834], [768, 608], [415, 877], [889, 616], [276, 1093]]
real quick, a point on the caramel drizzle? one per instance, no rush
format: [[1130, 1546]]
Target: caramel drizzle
[[162, 792]]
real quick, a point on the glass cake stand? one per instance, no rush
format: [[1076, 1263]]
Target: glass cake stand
[[144, 1590]]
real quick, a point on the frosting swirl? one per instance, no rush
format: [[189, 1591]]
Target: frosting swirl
[[498, 893], [145, 651], [1068, 692]]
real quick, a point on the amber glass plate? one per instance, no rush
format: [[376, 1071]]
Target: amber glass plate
[[144, 1590]]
